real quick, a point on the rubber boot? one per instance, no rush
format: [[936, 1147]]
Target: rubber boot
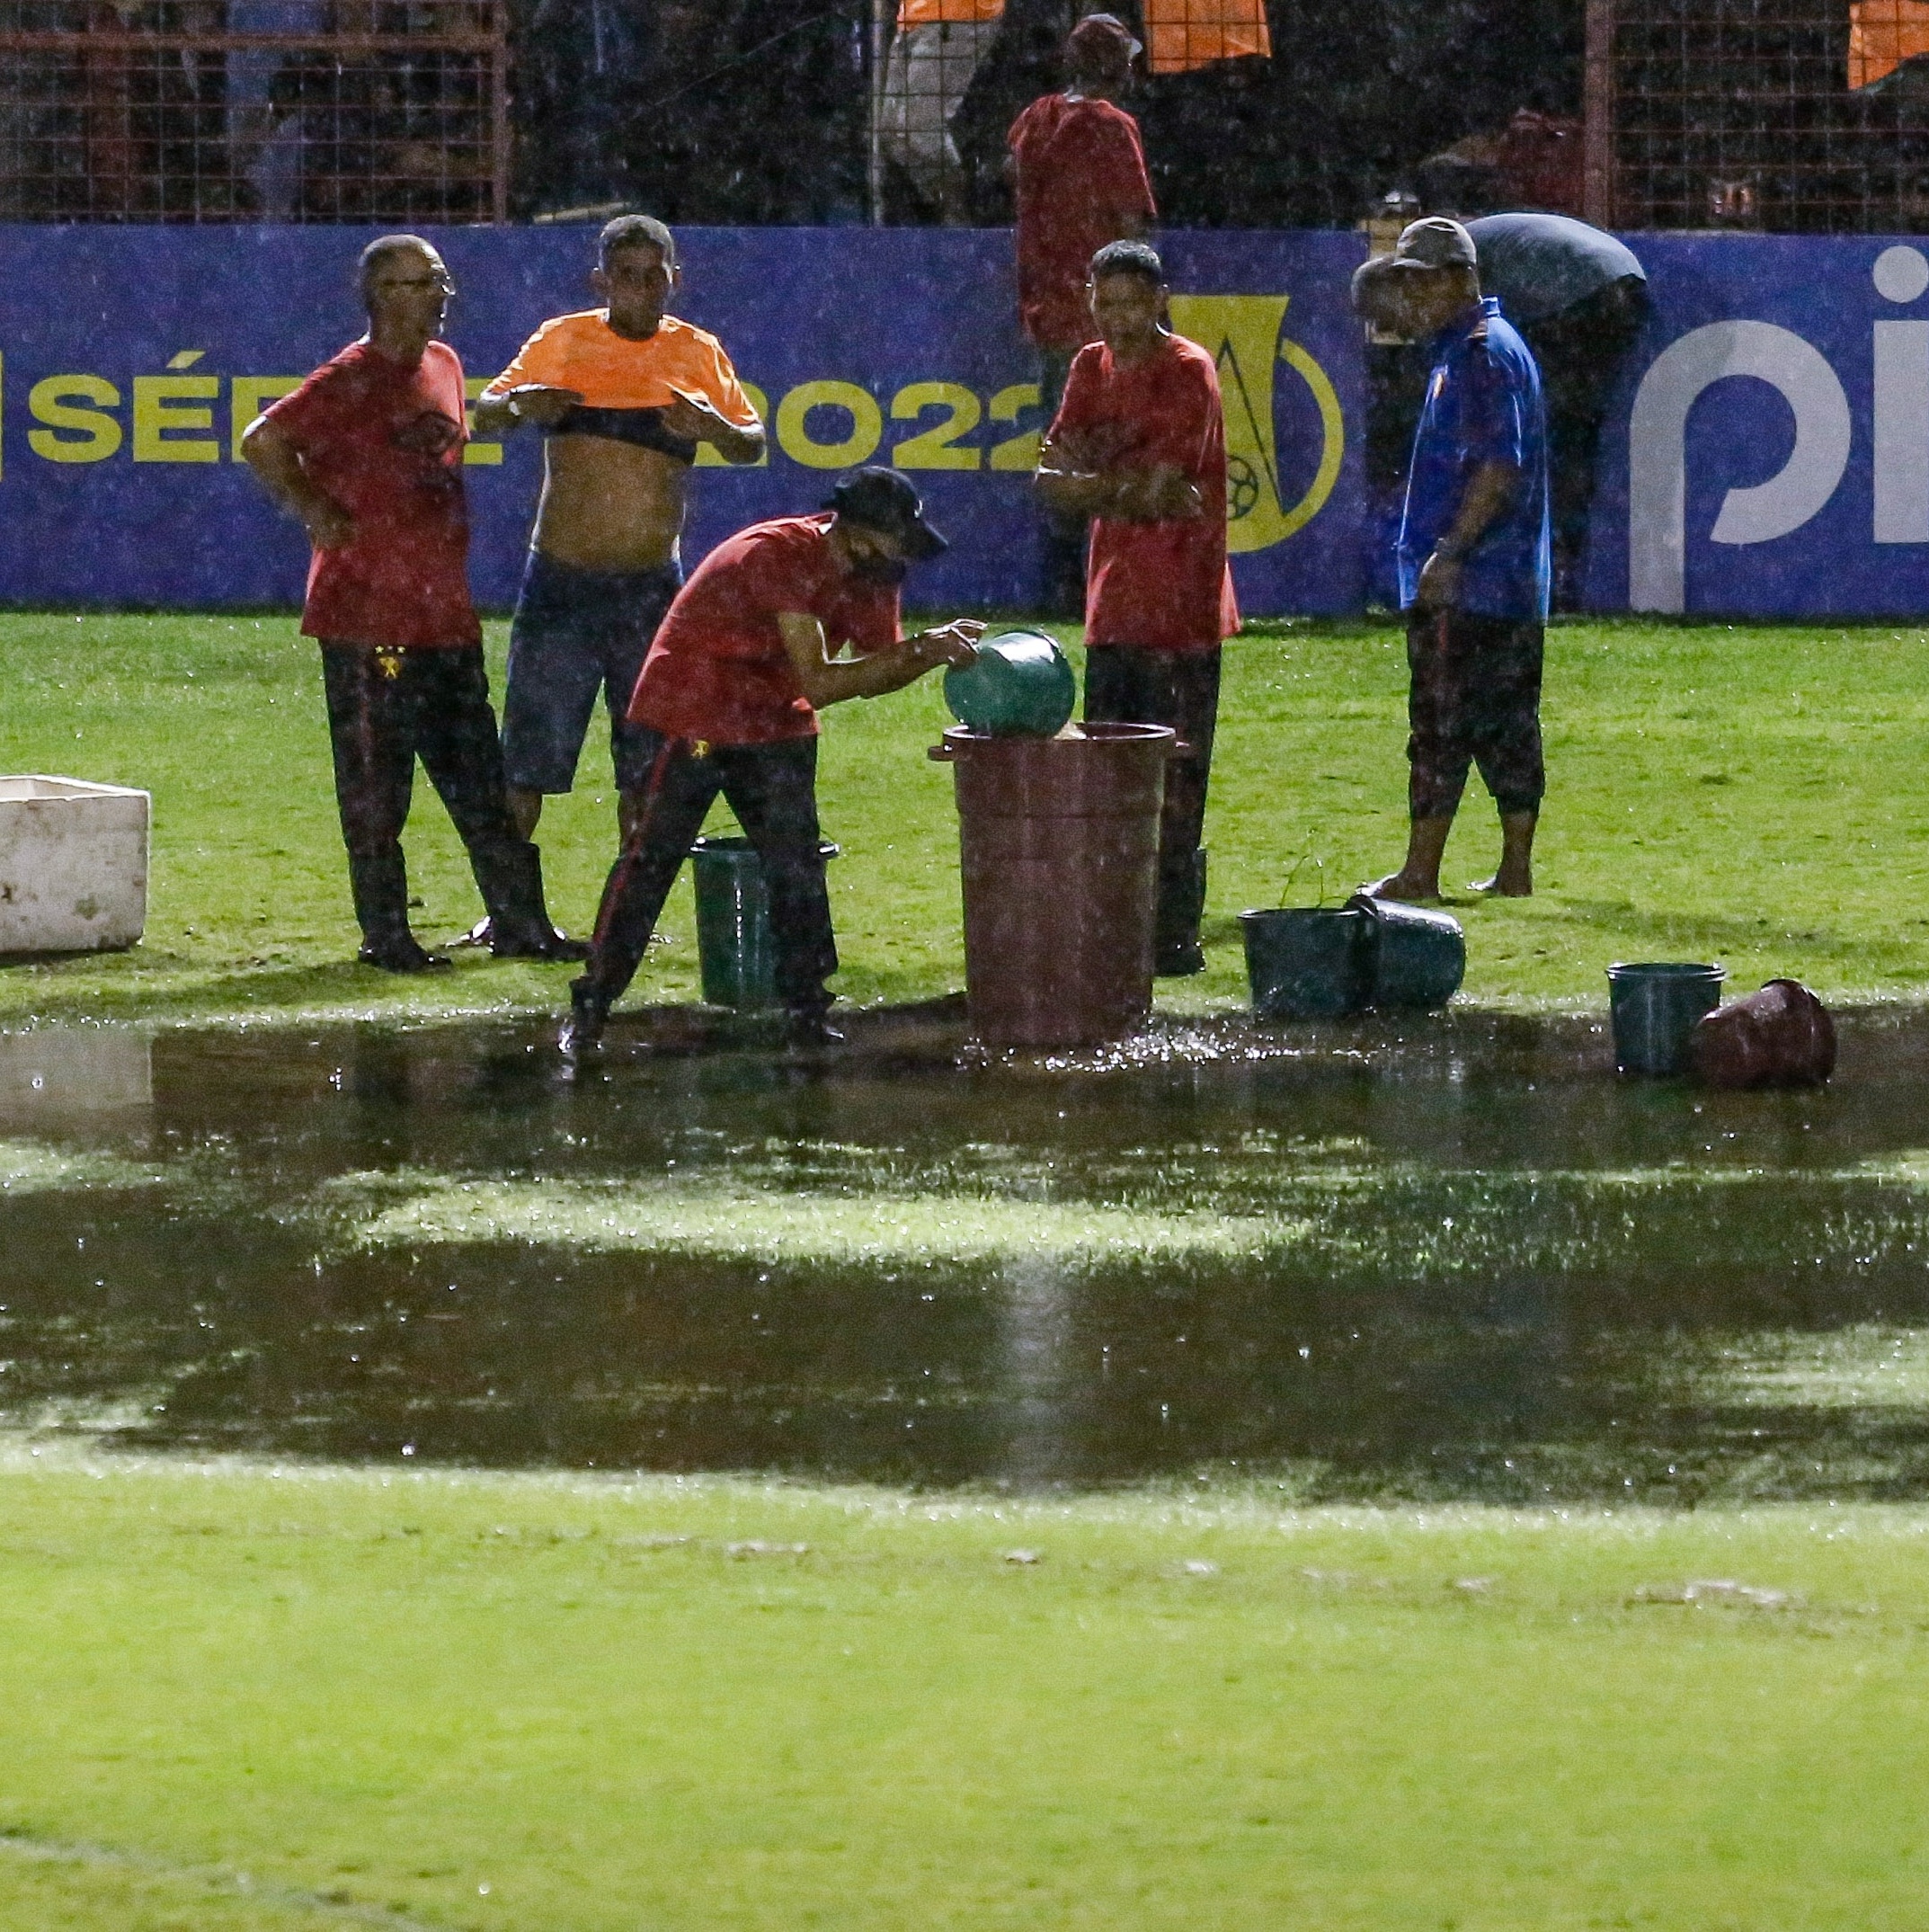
[[380, 884], [808, 1028], [589, 1012], [510, 876], [1176, 949]]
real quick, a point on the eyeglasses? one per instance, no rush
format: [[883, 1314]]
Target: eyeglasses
[[443, 282]]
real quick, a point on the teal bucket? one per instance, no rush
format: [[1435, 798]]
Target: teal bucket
[[1306, 961], [1021, 685], [1654, 1010], [1418, 956], [734, 953]]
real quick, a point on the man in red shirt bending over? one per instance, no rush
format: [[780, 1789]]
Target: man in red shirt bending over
[[1078, 172], [728, 701], [367, 454], [1139, 445]]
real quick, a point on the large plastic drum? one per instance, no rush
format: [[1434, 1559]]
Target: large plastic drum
[[1059, 840]]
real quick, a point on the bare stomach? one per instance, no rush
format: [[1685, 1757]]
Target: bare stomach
[[608, 505]]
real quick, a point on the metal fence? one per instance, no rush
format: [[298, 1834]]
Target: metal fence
[[1800, 116], [378, 111]]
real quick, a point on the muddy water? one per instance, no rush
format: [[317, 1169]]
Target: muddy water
[[1457, 1260]]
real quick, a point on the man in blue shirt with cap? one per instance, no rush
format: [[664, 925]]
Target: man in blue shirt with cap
[[1474, 557]]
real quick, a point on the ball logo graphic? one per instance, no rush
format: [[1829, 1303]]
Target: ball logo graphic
[[1243, 488], [1242, 332]]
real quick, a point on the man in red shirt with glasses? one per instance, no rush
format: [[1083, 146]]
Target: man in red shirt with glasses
[[367, 454], [1139, 445]]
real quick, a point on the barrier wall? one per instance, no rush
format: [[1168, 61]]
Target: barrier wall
[[131, 359], [1769, 453]]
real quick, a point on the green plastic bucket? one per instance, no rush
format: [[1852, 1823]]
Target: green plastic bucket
[[1654, 1009], [1306, 961], [1021, 685], [1418, 956], [733, 950]]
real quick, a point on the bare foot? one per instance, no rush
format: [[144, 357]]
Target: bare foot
[[1505, 885], [1403, 886]]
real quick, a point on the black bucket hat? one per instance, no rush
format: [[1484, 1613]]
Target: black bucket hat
[[885, 500]]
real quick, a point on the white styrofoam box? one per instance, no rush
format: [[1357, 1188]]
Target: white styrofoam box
[[73, 866]]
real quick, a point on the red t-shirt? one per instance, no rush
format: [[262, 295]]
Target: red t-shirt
[[385, 441], [1080, 179], [1164, 585], [718, 669]]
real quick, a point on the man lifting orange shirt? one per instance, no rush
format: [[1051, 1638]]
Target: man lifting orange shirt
[[624, 394]]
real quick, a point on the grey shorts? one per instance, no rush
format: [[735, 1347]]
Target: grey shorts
[[578, 634]]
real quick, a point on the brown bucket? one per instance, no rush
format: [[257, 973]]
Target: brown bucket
[[1059, 839], [1781, 1036]]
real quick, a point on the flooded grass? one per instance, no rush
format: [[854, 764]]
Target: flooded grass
[[719, 1701], [743, 1226], [1451, 1261]]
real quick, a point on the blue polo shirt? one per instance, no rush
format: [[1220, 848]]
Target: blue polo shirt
[[1483, 405]]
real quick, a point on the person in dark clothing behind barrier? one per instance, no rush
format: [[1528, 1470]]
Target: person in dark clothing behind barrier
[[367, 454], [728, 702], [1077, 170], [1139, 445], [1579, 299], [1474, 556]]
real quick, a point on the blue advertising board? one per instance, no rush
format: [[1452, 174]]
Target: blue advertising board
[[132, 356], [1768, 455]]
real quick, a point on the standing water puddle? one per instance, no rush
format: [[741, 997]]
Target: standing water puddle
[[1464, 1262]]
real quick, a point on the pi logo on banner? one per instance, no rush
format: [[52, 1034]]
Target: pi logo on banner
[[1270, 492]]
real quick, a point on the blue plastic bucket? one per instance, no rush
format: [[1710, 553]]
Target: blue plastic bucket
[[734, 953], [1654, 1009], [1306, 961], [1021, 685], [1418, 956]]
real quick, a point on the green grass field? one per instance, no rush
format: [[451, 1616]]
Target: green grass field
[[252, 1698], [1752, 796], [565, 1704]]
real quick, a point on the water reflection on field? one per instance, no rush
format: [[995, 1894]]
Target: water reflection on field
[[1466, 1262]]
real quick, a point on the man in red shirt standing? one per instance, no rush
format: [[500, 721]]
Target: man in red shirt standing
[[367, 454], [728, 701], [1078, 172], [1139, 445]]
